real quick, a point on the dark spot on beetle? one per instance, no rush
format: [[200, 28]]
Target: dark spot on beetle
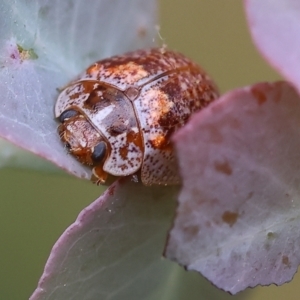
[[130, 163], [123, 167], [230, 217], [259, 95], [223, 167]]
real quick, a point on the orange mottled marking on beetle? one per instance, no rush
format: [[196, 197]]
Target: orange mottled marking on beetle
[[158, 141], [131, 71], [159, 105], [93, 70]]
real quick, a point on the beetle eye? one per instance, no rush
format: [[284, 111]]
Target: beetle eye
[[99, 152], [67, 114]]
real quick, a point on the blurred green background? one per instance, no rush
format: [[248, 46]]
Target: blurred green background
[[36, 208]]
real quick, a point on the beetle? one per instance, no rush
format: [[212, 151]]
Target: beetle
[[119, 114]]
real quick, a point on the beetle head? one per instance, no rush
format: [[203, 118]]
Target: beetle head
[[82, 140]]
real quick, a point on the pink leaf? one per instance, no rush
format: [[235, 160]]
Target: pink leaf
[[113, 250], [275, 27], [26, 114], [238, 217]]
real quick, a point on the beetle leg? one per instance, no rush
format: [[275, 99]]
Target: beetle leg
[[99, 176]]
